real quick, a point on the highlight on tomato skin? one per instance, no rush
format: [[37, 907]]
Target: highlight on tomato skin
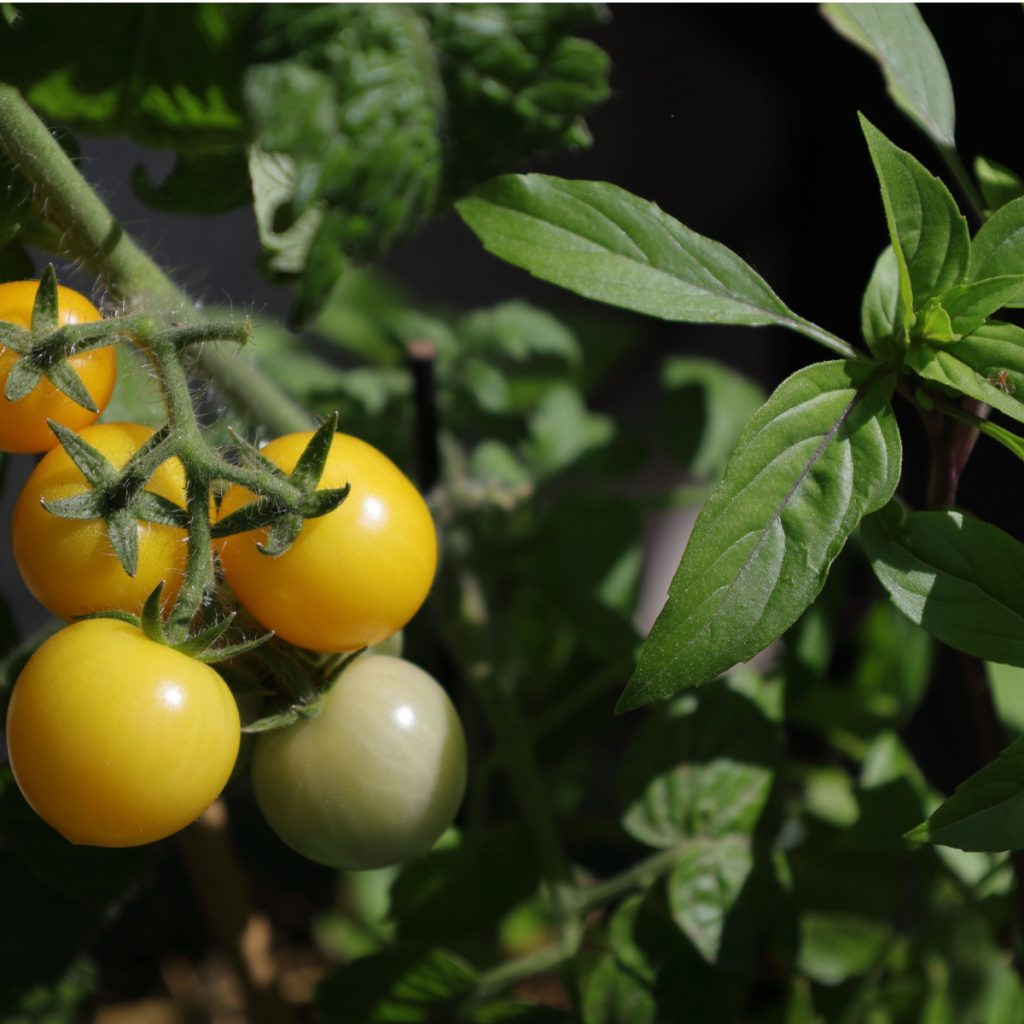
[[69, 564], [115, 740], [375, 779], [23, 423], [353, 577]]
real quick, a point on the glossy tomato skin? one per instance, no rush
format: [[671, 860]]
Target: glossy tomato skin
[[375, 779], [116, 740], [68, 564], [23, 426], [354, 576]]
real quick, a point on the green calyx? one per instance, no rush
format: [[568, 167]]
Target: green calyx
[[283, 519], [199, 645]]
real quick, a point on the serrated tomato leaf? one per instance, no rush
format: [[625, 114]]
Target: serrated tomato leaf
[[957, 576], [986, 811], [821, 453]]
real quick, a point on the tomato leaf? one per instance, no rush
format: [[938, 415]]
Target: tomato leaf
[[702, 765], [606, 244], [927, 231], [987, 365], [201, 182], [896, 36], [823, 451], [986, 812], [703, 887], [613, 995], [185, 70], [953, 574], [395, 986]]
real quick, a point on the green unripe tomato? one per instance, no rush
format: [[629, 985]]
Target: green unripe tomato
[[375, 778]]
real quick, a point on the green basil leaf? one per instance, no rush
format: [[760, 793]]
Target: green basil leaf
[[986, 811], [926, 227], [606, 244], [880, 307], [987, 365], [821, 453], [970, 305], [998, 248], [953, 574], [915, 74]]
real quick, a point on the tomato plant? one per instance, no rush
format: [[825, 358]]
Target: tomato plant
[[352, 577], [116, 740], [23, 423], [375, 778], [69, 564]]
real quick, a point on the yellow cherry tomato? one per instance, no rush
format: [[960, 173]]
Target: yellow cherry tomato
[[69, 564], [23, 425], [116, 740], [375, 778], [354, 576]]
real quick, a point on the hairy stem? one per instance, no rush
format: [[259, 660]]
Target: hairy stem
[[89, 232]]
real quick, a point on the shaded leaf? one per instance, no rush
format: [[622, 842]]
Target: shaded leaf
[[986, 811], [395, 986], [186, 65], [705, 409], [953, 574], [896, 36], [835, 947], [822, 452], [999, 185], [705, 885], [612, 995], [701, 767]]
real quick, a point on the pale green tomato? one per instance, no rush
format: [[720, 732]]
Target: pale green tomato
[[375, 779]]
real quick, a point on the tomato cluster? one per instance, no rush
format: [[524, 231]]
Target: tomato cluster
[[118, 739]]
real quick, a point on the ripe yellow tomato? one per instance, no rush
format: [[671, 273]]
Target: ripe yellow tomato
[[116, 740], [354, 576], [23, 423], [375, 779], [69, 564]]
